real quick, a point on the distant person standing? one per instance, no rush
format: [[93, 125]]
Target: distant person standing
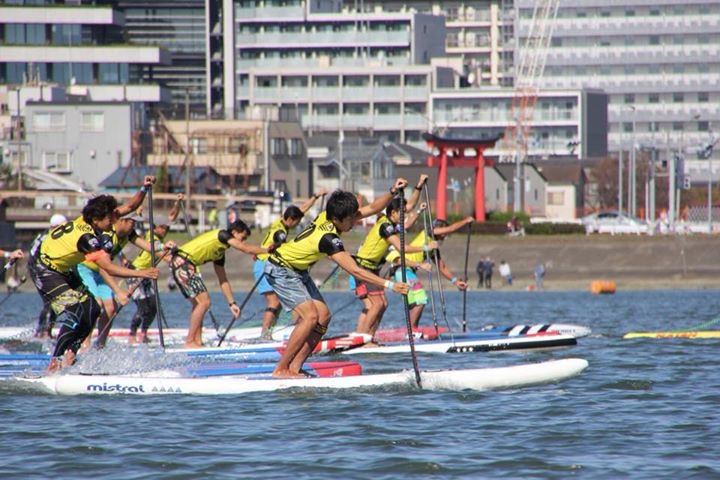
[[480, 269], [539, 276], [505, 273], [488, 266]]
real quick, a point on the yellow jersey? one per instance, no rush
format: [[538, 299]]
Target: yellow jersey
[[319, 239], [68, 245], [371, 252], [277, 234], [207, 247], [112, 244], [143, 260]]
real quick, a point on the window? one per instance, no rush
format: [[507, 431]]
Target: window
[[629, 98], [678, 126], [654, 40], [278, 146], [703, 97], [653, 98], [654, 126], [199, 145], [48, 121], [92, 121], [296, 147], [703, 126], [627, 127], [57, 162], [556, 198], [678, 97]]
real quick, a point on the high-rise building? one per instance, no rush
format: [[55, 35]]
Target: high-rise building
[[659, 63], [72, 44], [179, 26]]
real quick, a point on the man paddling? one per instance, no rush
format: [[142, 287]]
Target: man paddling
[[47, 317], [143, 292], [288, 272], [417, 298], [208, 247], [371, 256], [277, 235], [67, 246]]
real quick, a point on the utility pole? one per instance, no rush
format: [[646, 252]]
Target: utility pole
[[18, 152], [188, 155]]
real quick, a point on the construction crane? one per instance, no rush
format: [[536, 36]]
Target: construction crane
[[528, 73]]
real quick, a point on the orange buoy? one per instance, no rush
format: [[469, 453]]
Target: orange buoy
[[598, 287]]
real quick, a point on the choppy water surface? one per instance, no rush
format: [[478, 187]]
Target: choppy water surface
[[644, 408]]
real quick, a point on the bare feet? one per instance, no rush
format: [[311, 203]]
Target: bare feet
[[132, 340], [369, 345], [285, 373], [193, 345]]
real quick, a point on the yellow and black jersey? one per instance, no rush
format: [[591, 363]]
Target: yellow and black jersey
[[276, 235], [112, 244], [373, 250], [143, 260], [207, 247], [319, 239], [69, 244]]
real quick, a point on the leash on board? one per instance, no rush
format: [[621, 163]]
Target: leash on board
[[406, 305]]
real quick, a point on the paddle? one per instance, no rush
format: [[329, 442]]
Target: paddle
[[242, 305], [23, 279], [431, 280], [154, 281], [467, 254], [186, 218], [436, 258], [406, 305], [129, 294]]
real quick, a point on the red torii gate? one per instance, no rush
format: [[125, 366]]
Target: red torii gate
[[442, 160]]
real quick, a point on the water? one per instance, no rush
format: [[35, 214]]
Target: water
[[644, 408]]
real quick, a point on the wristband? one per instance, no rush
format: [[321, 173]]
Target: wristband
[[6, 254], [393, 188], [389, 285], [453, 280], [143, 189], [418, 188], [232, 303]]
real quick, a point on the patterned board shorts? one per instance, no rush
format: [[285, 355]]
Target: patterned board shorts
[[187, 277], [291, 287], [417, 294], [141, 288], [59, 290]]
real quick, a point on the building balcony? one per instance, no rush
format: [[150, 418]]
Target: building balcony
[[631, 55], [269, 13], [61, 14], [349, 39], [639, 25], [85, 54]]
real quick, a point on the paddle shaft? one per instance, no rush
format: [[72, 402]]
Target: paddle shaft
[[467, 255], [242, 305], [431, 280], [436, 258], [406, 305], [154, 281]]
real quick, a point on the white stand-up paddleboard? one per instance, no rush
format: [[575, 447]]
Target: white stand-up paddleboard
[[470, 379]]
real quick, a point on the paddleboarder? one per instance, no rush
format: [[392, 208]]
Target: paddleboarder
[[62, 250], [371, 256], [143, 293], [287, 271], [277, 235], [204, 248], [47, 317], [417, 298]]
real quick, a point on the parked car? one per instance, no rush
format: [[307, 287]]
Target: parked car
[[614, 223]]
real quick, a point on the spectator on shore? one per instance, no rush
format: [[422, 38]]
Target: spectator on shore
[[539, 273], [488, 266], [505, 273], [480, 269], [515, 227]]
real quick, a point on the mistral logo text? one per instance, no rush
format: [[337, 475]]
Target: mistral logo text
[[117, 388]]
